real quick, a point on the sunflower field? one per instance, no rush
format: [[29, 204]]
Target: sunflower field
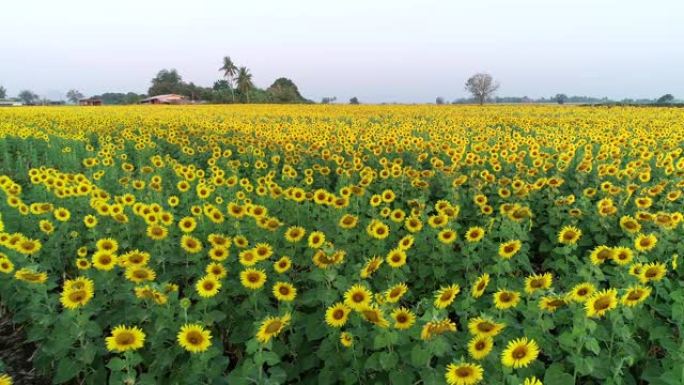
[[344, 244]]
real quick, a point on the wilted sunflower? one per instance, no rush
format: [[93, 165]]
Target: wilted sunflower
[[551, 303], [125, 338], [601, 302], [520, 353], [463, 374], [446, 295], [372, 265], [373, 314], [31, 276], [271, 327], [194, 338]]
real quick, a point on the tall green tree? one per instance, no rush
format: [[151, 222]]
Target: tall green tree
[[3, 92], [229, 70], [167, 82], [27, 96], [74, 96], [244, 81]]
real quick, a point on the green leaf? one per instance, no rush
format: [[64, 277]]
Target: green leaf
[[592, 345], [389, 360], [555, 375], [116, 364], [401, 378], [66, 370]]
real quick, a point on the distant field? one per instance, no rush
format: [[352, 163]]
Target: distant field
[[344, 244]]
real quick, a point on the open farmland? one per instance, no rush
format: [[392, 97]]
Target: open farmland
[[344, 244]]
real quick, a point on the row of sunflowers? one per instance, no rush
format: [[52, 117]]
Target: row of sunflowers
[[344, 244]]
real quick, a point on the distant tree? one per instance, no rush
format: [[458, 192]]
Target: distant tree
[[439, 100], [167, 82], [74, 96], [3, 92], [221, 85], [481, 86], [328, 99], [665, 99], [229, 71], [354, 100], [27, 96], [244, 82], [283, 90], [561, 98]]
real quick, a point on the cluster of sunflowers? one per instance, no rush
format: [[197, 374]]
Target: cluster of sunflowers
[[345, 244]]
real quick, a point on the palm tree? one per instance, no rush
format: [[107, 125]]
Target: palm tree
[[229, 69], [244, 81]]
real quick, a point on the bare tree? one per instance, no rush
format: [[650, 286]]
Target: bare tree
[[74, 96], [481, 86]]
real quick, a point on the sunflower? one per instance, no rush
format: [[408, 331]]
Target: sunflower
[[358, 297], [316, 239], [294, 234], [480, 286], [187, 225], [271, 327], [139, 274], [208, 286], [217, 270], [194, 338], [5, 379], [581, 292], [446, 295], [28, 246], [284, 291], [654, 271], [508, 249], [551, 303], [485, 327], [373, 314], [346, 339], [403, 318], [532, 381], [394, 293], [104, 260], [600, 254], [218, 253], [630, 225], [107, 244], [644, 242], [635, 295], [475, 234], [463, 374], [446, 236], [480, 346], [6, 266], [601, 302], [396, 258], [191, 244], [348, 221], [282, 265], [125, 338], [157, 232], [538, 282], [569, 235], [337, 315], [519, 353], [622, 255], [372, 265], [506, 299], [76, 297], [252, 278]]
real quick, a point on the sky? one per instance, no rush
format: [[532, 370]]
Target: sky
[[377, 50]]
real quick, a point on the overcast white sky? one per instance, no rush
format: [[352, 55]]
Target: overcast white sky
[[379, 51]]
